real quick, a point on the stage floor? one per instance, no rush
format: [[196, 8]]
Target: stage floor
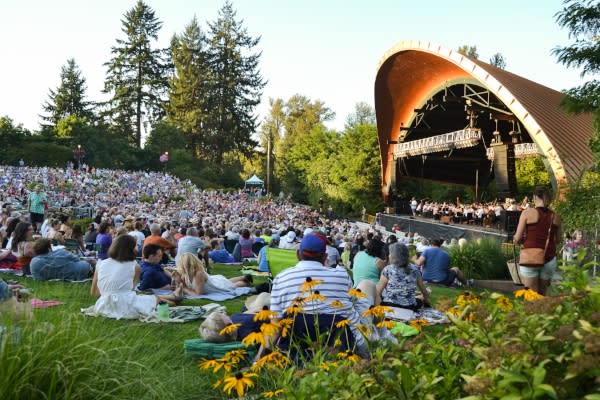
[[433, 229]]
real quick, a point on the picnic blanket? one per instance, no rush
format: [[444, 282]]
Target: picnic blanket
[[241, 291], [38, 303], [431, 315], [181, 314]]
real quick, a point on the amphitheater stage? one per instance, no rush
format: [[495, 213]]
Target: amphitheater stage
[[432, 229]]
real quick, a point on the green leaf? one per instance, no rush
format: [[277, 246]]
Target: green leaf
[[546, 389]]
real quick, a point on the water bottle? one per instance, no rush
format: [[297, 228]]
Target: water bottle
[[162, 311]]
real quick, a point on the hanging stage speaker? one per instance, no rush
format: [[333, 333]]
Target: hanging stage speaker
[[504, 169]]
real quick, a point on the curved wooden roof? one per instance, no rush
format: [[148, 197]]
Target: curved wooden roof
[[411, 71]]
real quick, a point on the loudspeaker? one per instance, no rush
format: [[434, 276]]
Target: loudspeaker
[[504, 169], [511, 221]]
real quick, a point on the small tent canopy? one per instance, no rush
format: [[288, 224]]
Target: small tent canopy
[[254, 181]]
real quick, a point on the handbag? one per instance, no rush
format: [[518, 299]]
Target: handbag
[[534, 257]]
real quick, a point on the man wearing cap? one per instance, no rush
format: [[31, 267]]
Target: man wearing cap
[[335, 284], [36, 202]]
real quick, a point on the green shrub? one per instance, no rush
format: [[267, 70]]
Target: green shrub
[[144, 198], [483, 259]]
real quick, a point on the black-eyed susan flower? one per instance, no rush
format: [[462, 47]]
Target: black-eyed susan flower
[[418, 324], [386, 323], [299, 300], [326, 366], [239, 382], [377, 311], [265, 314], [272, 393], [466, 298], [285, 325], [254, 338], [337, 304], [216, 365], [504, 303], [294, 310], [528, 294], [316, 296], [453, 311], [269, 328], [343, 323], [235, 356], [357, 293], [309, 284], [348, 355], [364, 330], [275, 358], [229, 329]]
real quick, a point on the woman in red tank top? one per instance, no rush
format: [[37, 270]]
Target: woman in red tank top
[[532, 231]]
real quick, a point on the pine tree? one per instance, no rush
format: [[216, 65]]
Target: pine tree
[[69, 98], [498, 61], [236, 86], [189, 87], [137, 74]]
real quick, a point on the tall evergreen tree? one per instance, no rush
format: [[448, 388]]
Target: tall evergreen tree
[[137, 74], [236, 86], [69, 97], [189, 87]]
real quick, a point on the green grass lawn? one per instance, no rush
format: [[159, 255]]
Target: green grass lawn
[[68, 355]]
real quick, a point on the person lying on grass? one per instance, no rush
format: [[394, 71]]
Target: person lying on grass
[[114, 281], [195, 281]]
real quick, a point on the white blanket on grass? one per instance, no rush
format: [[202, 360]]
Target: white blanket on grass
[[217, 296]]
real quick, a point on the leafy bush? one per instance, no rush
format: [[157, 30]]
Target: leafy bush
[[483, 259], [144, 198]]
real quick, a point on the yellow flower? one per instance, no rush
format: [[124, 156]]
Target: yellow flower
[[310, 283], [217, 383], [285, 325], [386, 323], [216, 365], [316, 296], [342, 323], [294, 310], [418, 324], [357, 293], [377, 311], [337, 304], [299, 301], [235, 356], [470, 317], [528, 294], [264, 315], [453, 311], [326, 366], [239, 382], [275, 358], [504, 303], [337, 342], [273, 393], [229, 329], [269, 329], [254, 338], [467, 298], [364, 330], [348, 355]]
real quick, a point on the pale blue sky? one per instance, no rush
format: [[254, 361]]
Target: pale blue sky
[[323, 49]]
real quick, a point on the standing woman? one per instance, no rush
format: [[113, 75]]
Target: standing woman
[[532, 232], [104, 239]]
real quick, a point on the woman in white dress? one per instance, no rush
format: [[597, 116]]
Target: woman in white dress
[[192, 275], [114, 280]]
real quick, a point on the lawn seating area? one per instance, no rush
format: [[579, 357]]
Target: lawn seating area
[[67, 355]]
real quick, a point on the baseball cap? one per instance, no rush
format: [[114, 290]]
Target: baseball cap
[[313, 244]]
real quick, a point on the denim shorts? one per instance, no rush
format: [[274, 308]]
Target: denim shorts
[[544, 272]]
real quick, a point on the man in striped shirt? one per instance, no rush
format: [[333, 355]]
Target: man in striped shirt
[[331, 283]]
